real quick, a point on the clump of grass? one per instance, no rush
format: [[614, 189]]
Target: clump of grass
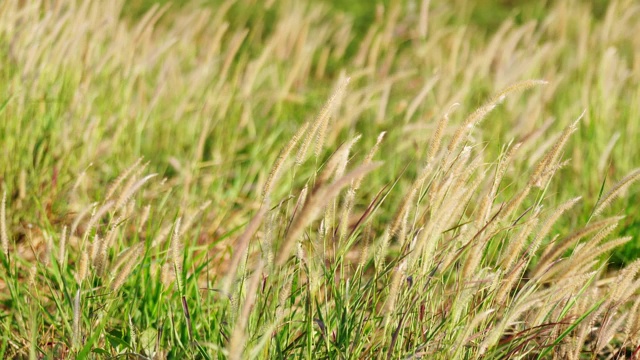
[[163, 157]]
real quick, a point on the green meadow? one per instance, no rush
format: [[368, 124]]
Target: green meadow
[[299, 179]]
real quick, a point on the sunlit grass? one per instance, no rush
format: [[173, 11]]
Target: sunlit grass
[[279, 179]]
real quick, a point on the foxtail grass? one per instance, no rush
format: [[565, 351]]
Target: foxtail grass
[[211, 196]]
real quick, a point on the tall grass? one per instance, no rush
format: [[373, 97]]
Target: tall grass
[[161, 198]]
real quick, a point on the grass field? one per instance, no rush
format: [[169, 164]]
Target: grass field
[[298, 179]]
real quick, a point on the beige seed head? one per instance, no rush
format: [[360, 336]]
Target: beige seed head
[[616, 190], [278, 166], [62, 248], [81, 272], [123, 176], [176, 254], [126, 270]]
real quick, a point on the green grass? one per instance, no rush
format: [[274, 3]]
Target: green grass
[[279, 224]]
